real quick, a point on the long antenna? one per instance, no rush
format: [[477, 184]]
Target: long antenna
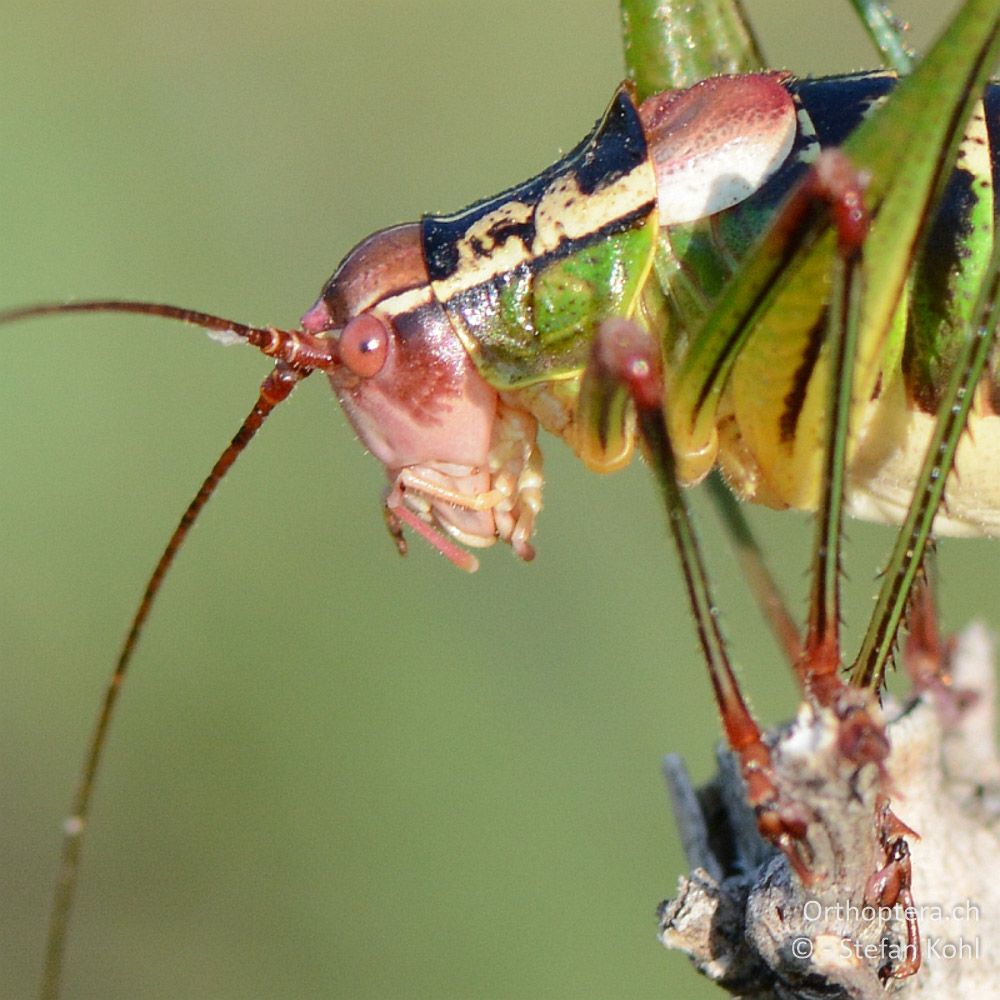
[[295, 347], [298, 354], [275, 388]]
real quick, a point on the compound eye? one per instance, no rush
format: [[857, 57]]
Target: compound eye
[[364, 345]]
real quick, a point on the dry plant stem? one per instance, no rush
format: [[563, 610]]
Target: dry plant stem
[[750, 925]]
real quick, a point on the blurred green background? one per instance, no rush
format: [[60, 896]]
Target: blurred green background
[[335, 774]]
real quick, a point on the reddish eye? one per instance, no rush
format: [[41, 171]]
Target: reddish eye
[[364, 345]]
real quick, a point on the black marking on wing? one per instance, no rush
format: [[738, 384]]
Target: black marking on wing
[[795, 398]]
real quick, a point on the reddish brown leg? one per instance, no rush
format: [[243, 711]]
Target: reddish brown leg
[[861, 738], [927, 654], [626, 359], [891, 885]]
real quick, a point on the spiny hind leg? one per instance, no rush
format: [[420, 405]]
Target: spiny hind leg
[[861, 736]]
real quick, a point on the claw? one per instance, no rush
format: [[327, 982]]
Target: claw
[[891, 885], [785, 827]]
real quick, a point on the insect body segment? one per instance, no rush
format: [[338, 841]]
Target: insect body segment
[[766, 422], [716, 143]]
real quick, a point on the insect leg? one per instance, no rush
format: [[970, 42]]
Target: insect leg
[[891, 884], [765, 588], [835, 180], [911, 542], [885, 32], [626, 362], [675, 43], [925, 652]]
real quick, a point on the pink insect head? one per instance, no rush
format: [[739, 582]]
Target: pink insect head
[[462, 465]]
